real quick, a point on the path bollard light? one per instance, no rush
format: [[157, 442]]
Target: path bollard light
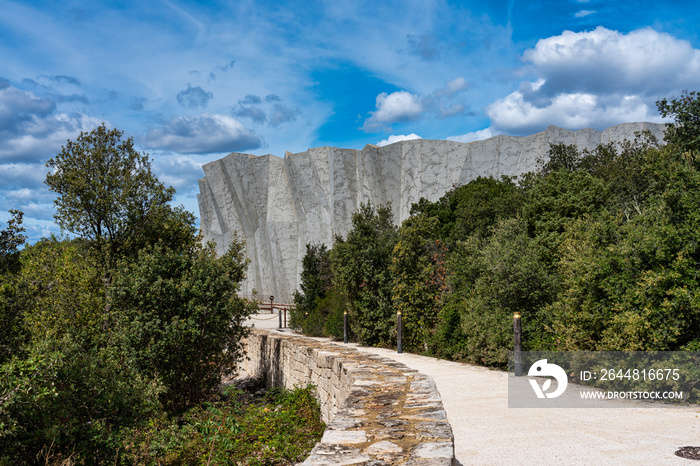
[[345, 326], [517, 337], [399, 331], [272, 298], [279, 315]]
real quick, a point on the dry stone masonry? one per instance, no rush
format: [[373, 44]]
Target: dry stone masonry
[[377, 411], [278, 205]]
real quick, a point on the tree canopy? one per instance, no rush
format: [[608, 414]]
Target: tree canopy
[[107, 192]]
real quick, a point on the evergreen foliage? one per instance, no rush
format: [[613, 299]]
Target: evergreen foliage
[[597, 250]]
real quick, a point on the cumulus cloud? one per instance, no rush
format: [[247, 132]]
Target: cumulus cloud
[[194, 97], [208, 133], [474, 135], [569, 110], [398, 137], [30, 128], [403, 106], [22, 175], [642, 62], [597, 79], [397, 107]]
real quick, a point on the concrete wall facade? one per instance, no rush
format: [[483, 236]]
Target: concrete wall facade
[[377, 411]]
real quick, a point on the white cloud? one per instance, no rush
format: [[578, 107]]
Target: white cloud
[[403, 107], [643, 61], [597, 79], [208, 133], [396, 138], [516, 115], [474, 135], [21, 175], [584, 13], [40, 138], [456, 85], [397, 107]]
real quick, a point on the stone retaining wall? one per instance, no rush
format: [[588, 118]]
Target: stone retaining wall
[[377, 410]]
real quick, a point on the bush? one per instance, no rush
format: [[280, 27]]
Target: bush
[[178, 318], [63, 402]]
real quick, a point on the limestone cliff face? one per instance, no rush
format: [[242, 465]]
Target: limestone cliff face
[[278, 205]]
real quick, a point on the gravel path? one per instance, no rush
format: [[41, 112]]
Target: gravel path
[[487, 432]]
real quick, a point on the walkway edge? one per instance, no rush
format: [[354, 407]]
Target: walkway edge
[[376, 409]]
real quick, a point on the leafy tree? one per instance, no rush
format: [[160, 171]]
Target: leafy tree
[[315, 281], [107, 194], [492, 278], [179, 319], [685, 110], [557, 198], [12, 331], [560, 157], [482, 202], [473, 207], [419, 281], [361, 273], [11, 238]]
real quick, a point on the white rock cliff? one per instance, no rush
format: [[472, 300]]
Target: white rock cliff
[[278, 205]]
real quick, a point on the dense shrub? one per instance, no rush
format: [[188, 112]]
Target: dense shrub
[[177, 318], [65, 402]]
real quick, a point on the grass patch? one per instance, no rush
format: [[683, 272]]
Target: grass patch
[[278, 428]]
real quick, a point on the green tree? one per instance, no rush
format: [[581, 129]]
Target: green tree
[[179, 319], [315, 281], [482, 202], [492, 278], [418, 281], [62, 404], [557, 198], [64, 293], [361, 273], [12, 331], [107, 194], [11, 238], [632, 283], [685, 110]]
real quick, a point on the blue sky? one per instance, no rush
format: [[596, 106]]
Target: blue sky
[[193, 81]]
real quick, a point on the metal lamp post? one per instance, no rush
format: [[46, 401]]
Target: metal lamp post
[[345, 326], [517, 340], [399, 331]]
